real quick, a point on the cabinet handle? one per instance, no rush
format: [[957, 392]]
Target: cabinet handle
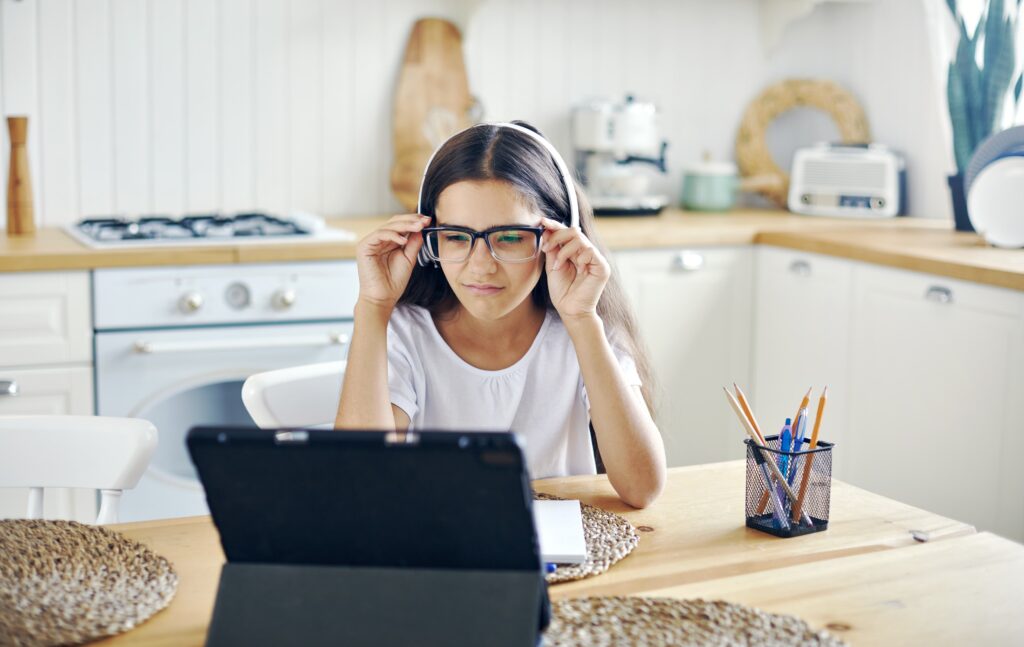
[[800, 268], [939, 294], [687, 262], [8, 387]]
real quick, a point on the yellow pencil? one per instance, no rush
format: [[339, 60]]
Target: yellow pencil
[[810, 458], [747, 411], [747, 427]]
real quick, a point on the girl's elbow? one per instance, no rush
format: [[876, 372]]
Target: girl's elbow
[[643, 494]]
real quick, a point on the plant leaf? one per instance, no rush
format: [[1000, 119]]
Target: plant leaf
[[1000, 63], [959, 118]]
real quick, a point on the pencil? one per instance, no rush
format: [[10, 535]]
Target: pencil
[[747, 411], [810, 457], [753, 436]]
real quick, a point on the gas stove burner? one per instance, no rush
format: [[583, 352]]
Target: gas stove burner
[[201, 228]]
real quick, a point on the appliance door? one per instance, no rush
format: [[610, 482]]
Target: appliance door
[[180, 378]]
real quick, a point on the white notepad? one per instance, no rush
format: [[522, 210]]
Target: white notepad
[[560, 531]]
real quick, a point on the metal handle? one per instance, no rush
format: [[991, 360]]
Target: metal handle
[[800, 268], [152, 348], [939, 294], [687, 262], [8, 387]]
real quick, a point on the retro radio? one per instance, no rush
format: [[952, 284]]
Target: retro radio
[[848, 180]]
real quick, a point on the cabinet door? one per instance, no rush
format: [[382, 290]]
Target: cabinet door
[[801, 338], [46, 318], [49, 391], [936, 396], [694, 313]]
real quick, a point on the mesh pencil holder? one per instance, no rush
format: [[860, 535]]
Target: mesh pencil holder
[[769, 508]]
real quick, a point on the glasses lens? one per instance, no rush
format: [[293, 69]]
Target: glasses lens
[[448, 245], [513, 244]]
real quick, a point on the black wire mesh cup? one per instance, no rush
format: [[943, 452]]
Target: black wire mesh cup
[[808, 475]]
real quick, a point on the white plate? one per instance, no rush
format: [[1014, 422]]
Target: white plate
[[995, 203]]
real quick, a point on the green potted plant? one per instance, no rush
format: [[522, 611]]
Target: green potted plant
[[977, 87]]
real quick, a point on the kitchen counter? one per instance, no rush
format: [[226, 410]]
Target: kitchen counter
[[917, 244], [866, 578]]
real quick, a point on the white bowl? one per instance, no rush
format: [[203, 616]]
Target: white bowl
[[995, 203]]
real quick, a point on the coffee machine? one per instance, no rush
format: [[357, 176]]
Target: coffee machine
[[618, 151]]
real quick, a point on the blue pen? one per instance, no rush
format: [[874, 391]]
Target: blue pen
[[786, 445], [799, 429]]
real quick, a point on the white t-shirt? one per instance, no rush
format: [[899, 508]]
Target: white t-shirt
[[541, 397]]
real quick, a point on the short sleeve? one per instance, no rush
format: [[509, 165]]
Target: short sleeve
[[627, 368], [401, 372]]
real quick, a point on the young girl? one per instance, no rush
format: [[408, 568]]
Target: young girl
[[493, 309]]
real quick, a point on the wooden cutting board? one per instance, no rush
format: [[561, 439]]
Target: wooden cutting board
[[432, 102]]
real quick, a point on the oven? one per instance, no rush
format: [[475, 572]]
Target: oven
[[173, 346]]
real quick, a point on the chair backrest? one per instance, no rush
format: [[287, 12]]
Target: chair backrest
[[301, 396], [102, 453]]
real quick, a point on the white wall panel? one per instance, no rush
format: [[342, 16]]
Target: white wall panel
[[58, 137], [95, 125], [340, 193], [4, 144], [193, 105], [272, 122], [305, 118], [19, 42], [168, 103], [202, 108], [238, 103], [131, 106]]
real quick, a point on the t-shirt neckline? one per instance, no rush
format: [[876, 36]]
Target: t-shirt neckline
[[520, 363]]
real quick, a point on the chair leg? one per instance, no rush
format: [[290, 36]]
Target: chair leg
[[35, 503], [109, 502]]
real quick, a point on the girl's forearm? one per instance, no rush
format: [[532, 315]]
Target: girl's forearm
[[365, 400], [630, 443]]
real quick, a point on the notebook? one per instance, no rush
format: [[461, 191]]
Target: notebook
[[560, 531]]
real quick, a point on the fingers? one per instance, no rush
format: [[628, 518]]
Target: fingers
[[395, 232], [412, 247], [406, 223]]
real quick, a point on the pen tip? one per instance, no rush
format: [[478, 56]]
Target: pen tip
[[809, 389], [825, 392]]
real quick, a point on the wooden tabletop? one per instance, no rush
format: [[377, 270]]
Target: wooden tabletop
[[919, 244], [693, 543]]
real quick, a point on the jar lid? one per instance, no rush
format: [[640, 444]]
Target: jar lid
[[711, 168]]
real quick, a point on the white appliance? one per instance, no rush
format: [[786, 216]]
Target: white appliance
[[847, 180], [996, 202], [618, 148], [174, 345]]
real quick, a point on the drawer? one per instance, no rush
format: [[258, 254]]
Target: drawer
[[45, 318]]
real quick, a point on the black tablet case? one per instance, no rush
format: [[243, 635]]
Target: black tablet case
[[362, 538]]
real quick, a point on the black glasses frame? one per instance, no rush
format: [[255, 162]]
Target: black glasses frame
[[474, 234]]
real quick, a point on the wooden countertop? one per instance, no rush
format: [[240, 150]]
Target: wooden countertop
[[917, 244], [693, 543]]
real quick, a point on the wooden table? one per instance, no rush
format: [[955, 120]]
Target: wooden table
[[866, 578]]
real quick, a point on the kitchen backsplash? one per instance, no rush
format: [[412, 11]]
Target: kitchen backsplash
[[192, 105]]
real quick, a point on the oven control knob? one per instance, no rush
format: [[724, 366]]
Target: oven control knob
[[190, 302], [283, 299]]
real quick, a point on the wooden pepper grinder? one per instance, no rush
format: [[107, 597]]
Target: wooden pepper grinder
[[20, 216]]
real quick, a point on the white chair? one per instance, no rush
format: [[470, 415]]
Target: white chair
[[102, 453], [301, 396]]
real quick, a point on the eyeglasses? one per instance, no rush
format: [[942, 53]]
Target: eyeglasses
[[508, 244]]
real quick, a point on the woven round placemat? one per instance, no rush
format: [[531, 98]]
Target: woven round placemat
[[609, 538], [63, 582], [616, 620]]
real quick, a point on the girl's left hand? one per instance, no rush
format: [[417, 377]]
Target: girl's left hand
[[577, 272]]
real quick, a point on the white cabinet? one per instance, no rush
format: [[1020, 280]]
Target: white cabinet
[[46, 350], [694, 311], [801, 338], [936, 396], [44, 318]]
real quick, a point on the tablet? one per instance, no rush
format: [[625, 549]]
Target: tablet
[[441, 499]]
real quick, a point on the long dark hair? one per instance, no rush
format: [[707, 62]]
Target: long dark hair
[[496, 153]]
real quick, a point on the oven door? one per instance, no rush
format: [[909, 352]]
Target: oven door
[[185, 377]]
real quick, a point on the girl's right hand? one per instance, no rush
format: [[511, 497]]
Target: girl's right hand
[[386, 257]]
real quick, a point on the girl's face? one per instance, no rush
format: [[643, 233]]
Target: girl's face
[[489, 289]]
